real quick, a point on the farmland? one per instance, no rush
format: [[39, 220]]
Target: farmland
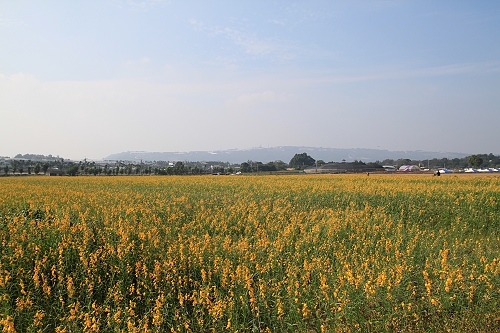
[[336, 253]]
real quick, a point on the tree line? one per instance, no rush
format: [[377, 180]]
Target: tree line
[[20, 165], [472, 161]]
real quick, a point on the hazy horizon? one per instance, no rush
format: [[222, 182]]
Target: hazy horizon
[[245, 149], [93, 78], [270, 154]]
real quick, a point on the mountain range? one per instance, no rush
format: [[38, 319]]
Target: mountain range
[[283, 153]]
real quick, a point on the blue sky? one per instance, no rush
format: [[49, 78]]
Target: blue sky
[[90, 78]]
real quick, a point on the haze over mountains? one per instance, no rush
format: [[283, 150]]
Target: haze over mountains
[[284, 153]]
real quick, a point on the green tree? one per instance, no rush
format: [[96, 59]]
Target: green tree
[[179, 168], [45, 167], [475, 161], [6, 169], [37, 168], [245, 167], [196, 170], [257, 166], [300, 161], [280, 165], [403, 161], [72, 171], [268, 167]]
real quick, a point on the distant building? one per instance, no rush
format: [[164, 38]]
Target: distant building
[[55, 172], [344, 167], [390, 168], [409, 168]]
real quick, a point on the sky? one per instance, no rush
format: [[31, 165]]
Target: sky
[[86, 79]]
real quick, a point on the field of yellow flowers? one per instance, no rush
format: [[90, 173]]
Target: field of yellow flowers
[[336, 253]]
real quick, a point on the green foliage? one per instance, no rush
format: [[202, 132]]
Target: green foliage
[[488, 160], [245, 167], [252, 166], [475, 161], [36, 157], [301, 161], [73, 170], [179, 169], [45, 167]]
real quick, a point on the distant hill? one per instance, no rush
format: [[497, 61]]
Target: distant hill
[[284, 153]]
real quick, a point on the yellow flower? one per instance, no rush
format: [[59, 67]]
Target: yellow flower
[[38, 318]]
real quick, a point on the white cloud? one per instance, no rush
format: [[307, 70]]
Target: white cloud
[[249, 42], [197, 25], [278, 22]]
